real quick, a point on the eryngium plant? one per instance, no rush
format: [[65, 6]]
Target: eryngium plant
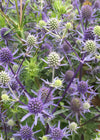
[[39, 99]]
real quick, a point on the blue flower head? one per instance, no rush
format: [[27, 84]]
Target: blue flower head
[[4, 35], [36, 107], [82, 87], [89, 34], [56, 133], [26, 133], [6, 55], [86, 12]]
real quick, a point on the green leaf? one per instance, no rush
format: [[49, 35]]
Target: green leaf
[[2, 21], [24, 11], [8, 31], [60, 111]]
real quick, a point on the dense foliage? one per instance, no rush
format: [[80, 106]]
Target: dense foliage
[[49, 70]]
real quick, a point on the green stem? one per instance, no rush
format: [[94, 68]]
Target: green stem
[[73, 136], [20, 12], [17, 12], [23, 12], [53, 73], [13, 93], [52, 33], [64, 34]]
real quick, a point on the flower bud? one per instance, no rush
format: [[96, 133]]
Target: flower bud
[[5, 97], [76, 105], [41, 23], [4, 78], [44, 138], [12, 138], [57, 83], [53, 23], [68, 25], [90, 46], [31, 40], [68, 75], [97, 30], [11, 122], [73, 126], [53, 59], [15, 68], [86, 105]]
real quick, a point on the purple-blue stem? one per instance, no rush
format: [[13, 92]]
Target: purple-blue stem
[[82, 137], [47, 129], [6, 43], [21, 102], [48, 95], [1, 5], [74, 41], [17, 79], [80, 15], [68, 59], [47, 126], [7, 7], [17, 121], [91, 120], [86, 24], [80, 78], [96, 109], [80, 75], [71, 48], [20, 66], [11, 3], [5, 130]]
